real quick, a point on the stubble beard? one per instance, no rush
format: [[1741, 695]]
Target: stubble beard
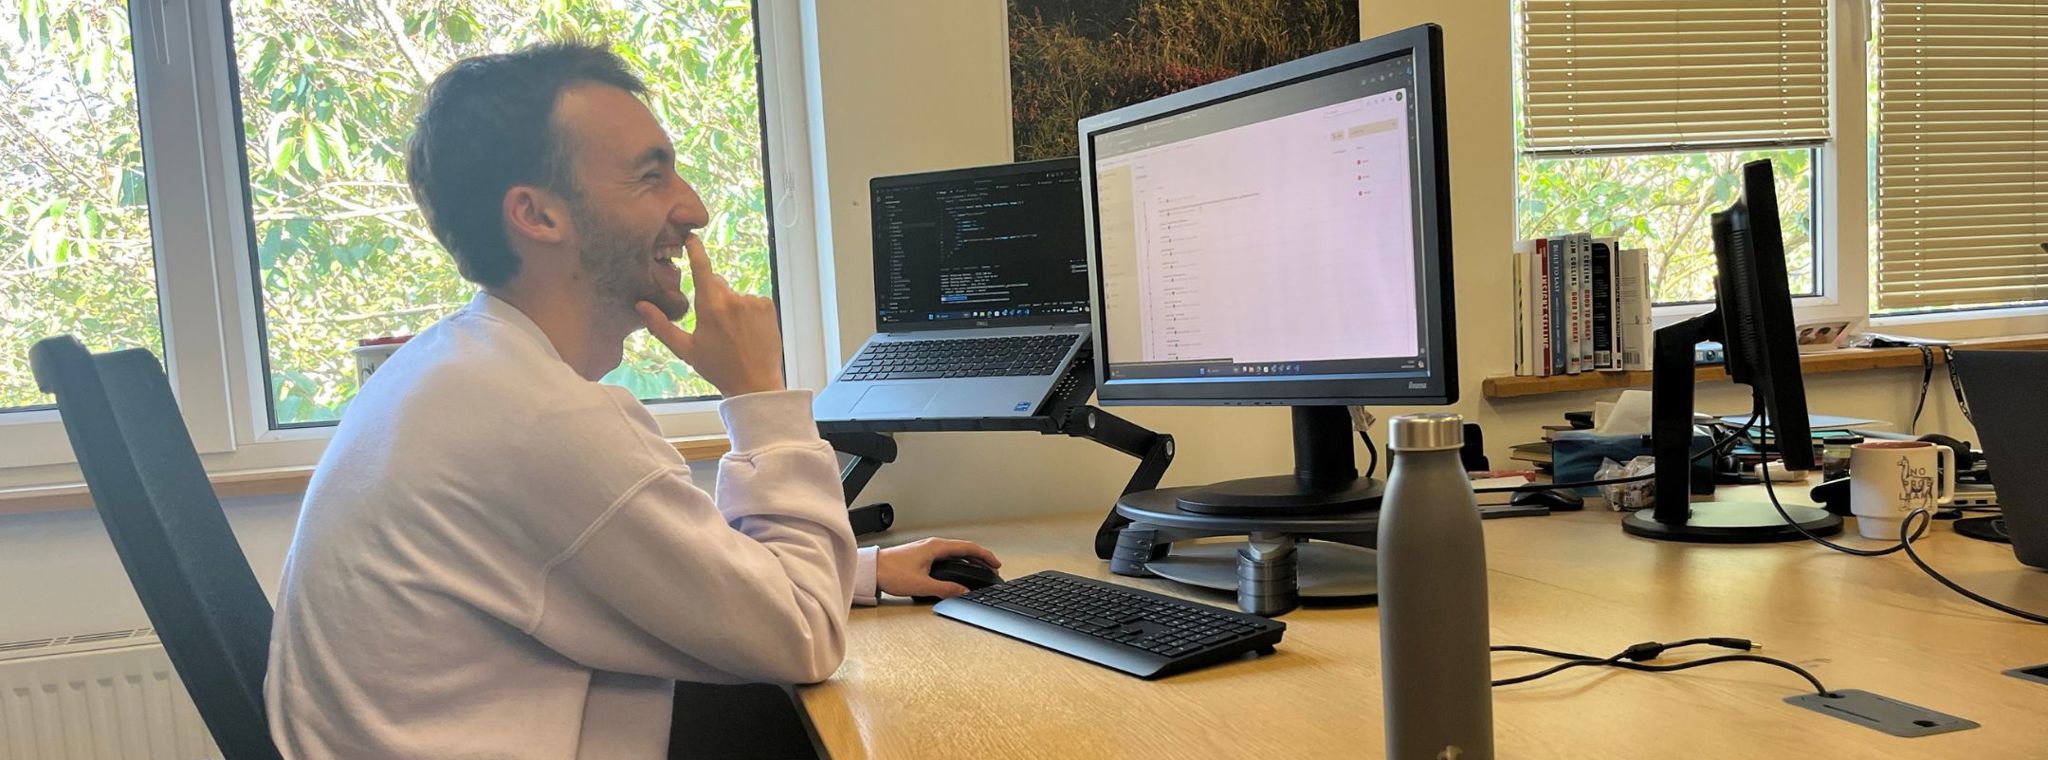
[[621, 269]]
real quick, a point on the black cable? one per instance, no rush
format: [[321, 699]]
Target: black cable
[[1904, 540], [1926, 380], [1908, 533], [1763, 469], [1713, 448], [1636, 657], [1818, 688], [1955, 381], [1373, 464]]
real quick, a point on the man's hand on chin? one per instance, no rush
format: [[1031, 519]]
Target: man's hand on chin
[[738, 342], [906, 570]]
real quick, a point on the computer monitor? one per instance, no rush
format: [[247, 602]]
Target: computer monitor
[[1753, 319], [1279, 238]]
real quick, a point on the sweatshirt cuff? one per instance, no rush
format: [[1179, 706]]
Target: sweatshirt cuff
[[759, 420], [864, 593]]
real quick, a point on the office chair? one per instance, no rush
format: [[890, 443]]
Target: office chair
[[168, 528]]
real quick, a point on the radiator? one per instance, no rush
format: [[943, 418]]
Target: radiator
[[101, 696]]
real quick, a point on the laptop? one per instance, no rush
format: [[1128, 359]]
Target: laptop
[[2012, 419], [981, 295]]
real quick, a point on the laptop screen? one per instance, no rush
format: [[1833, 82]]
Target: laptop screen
[[991, 246]]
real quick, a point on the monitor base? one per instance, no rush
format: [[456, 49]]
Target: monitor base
[[1280, 495], [1323, 570], [1734, 522], [1984, 529]]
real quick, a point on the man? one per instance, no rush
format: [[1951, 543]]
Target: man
[[498, 556]]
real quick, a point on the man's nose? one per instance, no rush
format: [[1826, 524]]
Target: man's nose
[[690, 211]]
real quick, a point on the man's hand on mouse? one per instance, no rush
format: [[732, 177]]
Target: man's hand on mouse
[[906, 570]]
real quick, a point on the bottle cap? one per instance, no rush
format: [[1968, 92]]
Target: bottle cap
[[1426, 432]]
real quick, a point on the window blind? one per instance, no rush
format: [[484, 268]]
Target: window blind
[[1960, 153], [1609, 75]]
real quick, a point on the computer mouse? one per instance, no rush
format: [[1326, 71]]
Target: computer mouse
[[1557, 501], [964, 571]]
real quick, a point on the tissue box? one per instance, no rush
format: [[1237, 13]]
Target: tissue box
[[1575, 455]]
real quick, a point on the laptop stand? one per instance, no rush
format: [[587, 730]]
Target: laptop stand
[[1066, 412]]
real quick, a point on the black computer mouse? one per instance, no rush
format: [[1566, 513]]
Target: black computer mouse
[[964, 571], [1557, 501]]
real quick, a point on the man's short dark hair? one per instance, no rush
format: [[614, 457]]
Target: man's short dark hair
[[488, 125]]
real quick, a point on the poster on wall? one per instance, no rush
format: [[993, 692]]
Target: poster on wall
[[1075, 58]]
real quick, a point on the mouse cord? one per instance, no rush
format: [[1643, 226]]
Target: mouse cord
[[1909, 531], [1637, 658]]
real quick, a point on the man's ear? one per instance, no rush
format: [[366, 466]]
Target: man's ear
[[535, 214]]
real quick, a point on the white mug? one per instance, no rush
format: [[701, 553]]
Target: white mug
[[1890, 479]]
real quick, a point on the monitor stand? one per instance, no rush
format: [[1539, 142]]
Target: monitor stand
[[1675, 517], [1278, 564], [1325, 479]]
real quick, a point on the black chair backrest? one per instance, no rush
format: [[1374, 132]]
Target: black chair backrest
[[167, 525]]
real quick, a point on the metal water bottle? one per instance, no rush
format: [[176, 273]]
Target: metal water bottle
[[1434, 665]]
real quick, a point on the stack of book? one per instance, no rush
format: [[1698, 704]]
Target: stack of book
[[1582, 304]]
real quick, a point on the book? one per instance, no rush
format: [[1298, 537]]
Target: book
[[1570, 322], [1583, 244], [1537, 452], [1525, 304], [1522, 317], [1632, 295], [1516, 319], [1603, 305], [1553, 317]]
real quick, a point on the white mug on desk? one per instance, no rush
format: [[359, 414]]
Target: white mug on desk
[[1890, 479]]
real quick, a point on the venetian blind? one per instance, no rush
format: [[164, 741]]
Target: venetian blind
[[1665, 74], [1960, 180]]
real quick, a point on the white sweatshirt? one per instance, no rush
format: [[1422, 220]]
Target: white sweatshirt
[[499, 559]]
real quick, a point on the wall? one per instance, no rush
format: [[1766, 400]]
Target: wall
[[911, 85]]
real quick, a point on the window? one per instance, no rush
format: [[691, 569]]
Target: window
[[287, 118], [75, 249], [1633, 117], [1961, 204], [327, 94]]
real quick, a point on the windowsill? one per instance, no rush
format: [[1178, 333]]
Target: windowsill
[[74, 496], [1820, 363]]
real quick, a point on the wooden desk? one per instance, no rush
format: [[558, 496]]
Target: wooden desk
[[919, 686]]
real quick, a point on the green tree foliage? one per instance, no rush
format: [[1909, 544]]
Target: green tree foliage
[[328, 90], [75, 253], [1073, 58], [1664, 203]]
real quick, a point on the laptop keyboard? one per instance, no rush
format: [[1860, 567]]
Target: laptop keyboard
[[1011, 356]]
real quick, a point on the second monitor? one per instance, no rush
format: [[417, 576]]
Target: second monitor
[[1279, 238]]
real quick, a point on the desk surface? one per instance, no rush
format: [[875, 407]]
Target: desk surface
[[916, 685]]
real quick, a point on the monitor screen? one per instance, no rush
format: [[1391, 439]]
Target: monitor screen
[[1002, 245], [1264, 238]]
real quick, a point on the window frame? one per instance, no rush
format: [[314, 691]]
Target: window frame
[[1832, 254], [207, 284]]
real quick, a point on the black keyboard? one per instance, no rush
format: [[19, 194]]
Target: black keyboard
[[1138, 632], [1017, 355]]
